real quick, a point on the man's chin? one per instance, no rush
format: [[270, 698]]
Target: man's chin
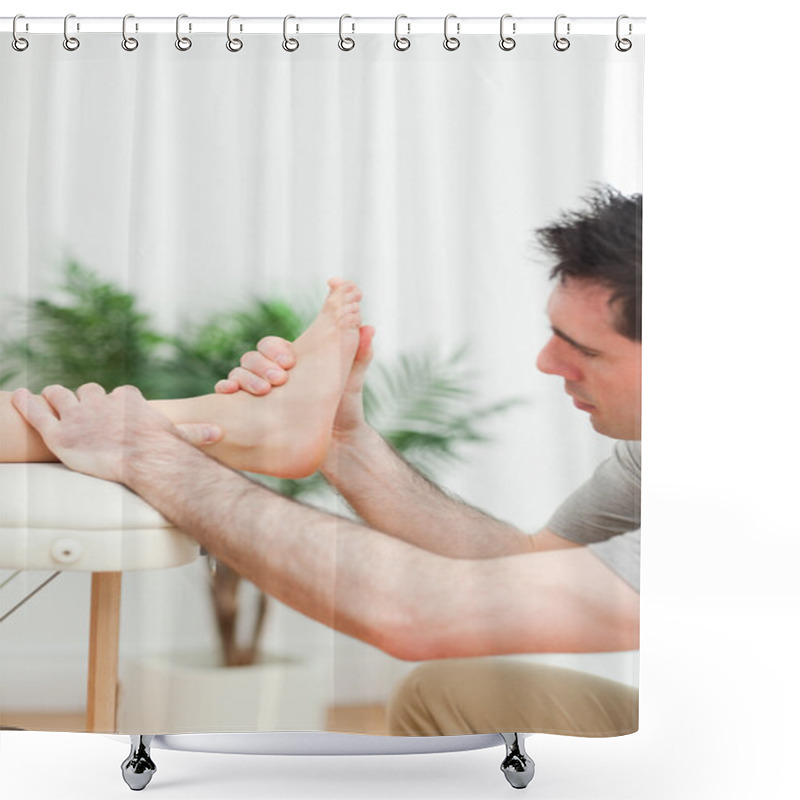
[[621, 432]]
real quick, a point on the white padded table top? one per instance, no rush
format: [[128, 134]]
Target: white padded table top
[[54, 519]]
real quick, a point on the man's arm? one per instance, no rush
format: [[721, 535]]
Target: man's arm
[[411, 603], [390, 495], [380, 486]]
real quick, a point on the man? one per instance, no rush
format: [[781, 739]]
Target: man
[[431, 579]]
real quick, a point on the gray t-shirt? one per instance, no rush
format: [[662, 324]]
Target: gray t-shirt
[[604, 513]]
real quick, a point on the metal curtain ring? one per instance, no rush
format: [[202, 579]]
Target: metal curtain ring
[[182, 42], [234, 45], [506, 42], [289, 45], [561, 43], [623, 45], [70, 42], [401, 42], [346, 43], [451, 42], [128, 42], [18, 43]]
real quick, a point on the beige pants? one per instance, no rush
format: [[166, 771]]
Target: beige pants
[[486, 695]]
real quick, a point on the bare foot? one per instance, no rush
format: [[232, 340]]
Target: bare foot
[[287, 432]]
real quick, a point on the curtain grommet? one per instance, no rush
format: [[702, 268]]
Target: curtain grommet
[[451, 43], [234, 45], [183, 43], [71, 43], [19, 43], [346, 43], [129, 43], [623, 44], [507, 43], [401, 43], [289, 44], [561, 43]]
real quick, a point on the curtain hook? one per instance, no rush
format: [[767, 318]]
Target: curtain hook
[[128, 42], [401, 42], [346, 43], [234, 45], [561, 43], [289, 45], [451, 42], [70, 42], [18, 43], [623, 45], [507, 42], [182, 42]]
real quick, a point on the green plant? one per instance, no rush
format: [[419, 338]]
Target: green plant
[[93, 333], [422, 405]]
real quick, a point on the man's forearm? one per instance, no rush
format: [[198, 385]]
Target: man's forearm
[[411, 603], [390, 495], [356, 580]]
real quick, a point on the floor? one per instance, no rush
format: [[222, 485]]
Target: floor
[[356, 718]]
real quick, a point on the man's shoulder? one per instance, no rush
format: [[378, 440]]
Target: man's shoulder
[[628, 454]]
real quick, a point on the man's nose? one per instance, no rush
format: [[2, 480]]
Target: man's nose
[[553, 360]]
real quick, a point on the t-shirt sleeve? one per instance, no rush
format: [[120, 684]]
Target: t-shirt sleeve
[[608, 504]]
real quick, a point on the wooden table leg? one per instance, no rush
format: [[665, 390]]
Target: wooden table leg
[[101, 698]]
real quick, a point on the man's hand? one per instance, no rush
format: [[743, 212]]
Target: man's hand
[[350, 414], [93, 432], [260, 369]]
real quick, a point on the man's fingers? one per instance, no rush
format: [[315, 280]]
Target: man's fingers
[[200, 434], [133, 391], [262, 368], [89, 390], [36, 411], [277, 351], [364, 352], [59, 397], [226, 386], [244, 379]]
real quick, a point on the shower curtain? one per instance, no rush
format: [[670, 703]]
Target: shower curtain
[[167, 194]]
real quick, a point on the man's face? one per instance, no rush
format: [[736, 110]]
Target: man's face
[[601, 368]]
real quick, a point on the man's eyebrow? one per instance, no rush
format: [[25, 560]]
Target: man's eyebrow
[[582, 347]]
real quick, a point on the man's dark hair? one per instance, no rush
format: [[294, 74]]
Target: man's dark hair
[[603, 244]]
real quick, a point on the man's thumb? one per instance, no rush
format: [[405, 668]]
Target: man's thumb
[[200, 434]]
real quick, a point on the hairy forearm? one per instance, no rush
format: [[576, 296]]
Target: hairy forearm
[[393, 497], [411, 603], [331, 569]]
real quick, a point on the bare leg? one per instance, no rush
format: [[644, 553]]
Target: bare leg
[[286, 433]]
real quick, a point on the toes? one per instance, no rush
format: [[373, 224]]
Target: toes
[[344, 291], [349, 316]]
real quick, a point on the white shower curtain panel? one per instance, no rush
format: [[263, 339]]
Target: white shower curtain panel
[[202, 181]]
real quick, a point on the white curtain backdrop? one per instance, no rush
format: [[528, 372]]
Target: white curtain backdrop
[[200, 179]]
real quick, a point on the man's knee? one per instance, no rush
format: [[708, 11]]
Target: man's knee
[[410, 711]]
